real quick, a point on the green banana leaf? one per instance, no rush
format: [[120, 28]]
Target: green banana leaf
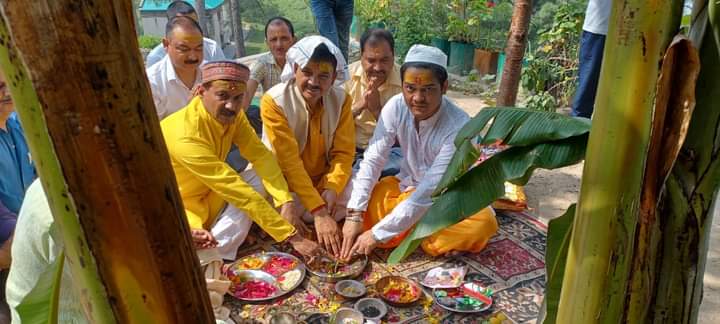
[[40, 306], [558, 242], [541, 140], [512, 126]]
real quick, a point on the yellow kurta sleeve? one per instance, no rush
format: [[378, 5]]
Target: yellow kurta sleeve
[[342, 152], [286, 148], [263, 161], [196, 155]]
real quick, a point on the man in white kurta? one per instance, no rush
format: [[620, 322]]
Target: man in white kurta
[[425, 123]]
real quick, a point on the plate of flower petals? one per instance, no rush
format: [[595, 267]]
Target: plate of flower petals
[[264, 276]]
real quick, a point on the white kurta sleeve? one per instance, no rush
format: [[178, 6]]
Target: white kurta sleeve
[[375, 156], [409, 211]]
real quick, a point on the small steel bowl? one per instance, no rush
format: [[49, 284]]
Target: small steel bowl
[[347, 316], [364, 303], [357, 288], [283, 318], [317, 318], [383, 282]]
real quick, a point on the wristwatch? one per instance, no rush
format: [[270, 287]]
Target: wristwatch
[[354, 216]]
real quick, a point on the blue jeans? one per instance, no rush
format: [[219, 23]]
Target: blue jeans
[[392, 165], [234, 159], [333, 18], [591, 55]]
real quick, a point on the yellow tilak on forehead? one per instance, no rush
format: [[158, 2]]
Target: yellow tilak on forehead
[[324, 67], [421, 77], [229, 85], [188, 37]]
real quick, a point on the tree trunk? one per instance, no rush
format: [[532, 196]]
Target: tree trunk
[[599, 263], [236, 20], [106, 137], [202, 17], [514, 52]]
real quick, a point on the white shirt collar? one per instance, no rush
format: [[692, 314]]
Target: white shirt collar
[[171, 75]]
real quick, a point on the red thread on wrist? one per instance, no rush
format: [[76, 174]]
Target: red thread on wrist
[[312, 212]]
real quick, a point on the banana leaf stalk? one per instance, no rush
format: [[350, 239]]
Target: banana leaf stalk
[[82, 262], [594, 288]]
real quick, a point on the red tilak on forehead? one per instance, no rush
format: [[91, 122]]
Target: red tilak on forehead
[[419, 78]]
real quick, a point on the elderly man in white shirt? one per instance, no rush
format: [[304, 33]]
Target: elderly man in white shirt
[[424, 122], [173, 78]]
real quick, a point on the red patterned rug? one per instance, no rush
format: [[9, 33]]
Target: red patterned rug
[[512, 265]]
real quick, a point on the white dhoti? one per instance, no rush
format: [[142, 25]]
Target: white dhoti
[[232, 225]]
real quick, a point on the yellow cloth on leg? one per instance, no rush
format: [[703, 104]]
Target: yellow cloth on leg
[[469, 235], [385, 196]]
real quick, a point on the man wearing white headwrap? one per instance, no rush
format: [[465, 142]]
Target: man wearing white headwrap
[[424, 122], [308, 123]]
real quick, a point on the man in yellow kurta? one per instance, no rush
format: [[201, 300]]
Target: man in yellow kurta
[[374, 79], [425, 123], [308, 123], [219, 203]]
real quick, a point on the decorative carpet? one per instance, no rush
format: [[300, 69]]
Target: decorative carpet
[[512, 265]]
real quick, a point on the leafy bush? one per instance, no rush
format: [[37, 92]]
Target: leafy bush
[[464, 17], [552, 68], [412, 28], [374, 11], [149, 41], [492, 32]]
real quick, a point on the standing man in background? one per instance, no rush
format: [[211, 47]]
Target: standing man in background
[[592, 44], [333, 18]]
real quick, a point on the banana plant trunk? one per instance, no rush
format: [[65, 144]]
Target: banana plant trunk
[[514, 53], [595, 286], [691, 192], [95, 136]]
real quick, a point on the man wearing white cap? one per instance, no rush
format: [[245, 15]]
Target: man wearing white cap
[[308, 123], [424, 122]]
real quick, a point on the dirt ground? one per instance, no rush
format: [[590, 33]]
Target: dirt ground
[[551, 192]]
